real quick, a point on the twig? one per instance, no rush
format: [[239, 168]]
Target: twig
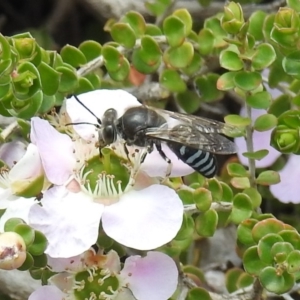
[[250, 148], [8, 130]]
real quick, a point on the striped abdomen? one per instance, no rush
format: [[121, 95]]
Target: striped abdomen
[[202, 162]]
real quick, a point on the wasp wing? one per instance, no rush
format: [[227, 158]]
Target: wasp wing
[[202, 124], [194, 138]]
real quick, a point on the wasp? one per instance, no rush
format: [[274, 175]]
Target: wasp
[[194, 140]]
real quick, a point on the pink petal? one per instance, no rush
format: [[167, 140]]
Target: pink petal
[[155, 166], [144, 219], [70, 223], [12, 152], [47, 292], [29, 166], [98, 102], [56, 151], [288, 190], [152, 277], [261, 140]]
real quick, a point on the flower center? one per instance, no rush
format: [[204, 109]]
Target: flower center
[[95, 284], [108, 176]]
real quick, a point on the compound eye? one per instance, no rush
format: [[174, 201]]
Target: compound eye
[[108, 134]]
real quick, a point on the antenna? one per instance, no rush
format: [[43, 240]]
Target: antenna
[[79, 101]]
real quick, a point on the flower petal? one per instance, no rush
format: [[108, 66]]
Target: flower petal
[[12, 152], [155, 166], [152, 277], [47, 292], [29, 166], [261, 140], [98, 102], [70, 223], [288, 190], [144, 219], [56, 151], [17, 209]]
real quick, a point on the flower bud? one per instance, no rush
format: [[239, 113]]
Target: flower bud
[[12, 251]]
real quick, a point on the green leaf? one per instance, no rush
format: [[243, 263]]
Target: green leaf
[[205, 41], [12, 223], [207, 86], [257, 155], [242, 208], [256, 24], [123, 34], [294, 4], [189, 101], [136, 22], [186, 229], [264, 227], [186, 196], [30, 108], [194, 65], [184, 15], [179, 57], [202, 198], [171, 80], [280, 251], [260, 100], [150, 51], [26, 232], [231, 61], [153, 30], [198, 293], [157, 8], [231, 278], [49, 79], [68, 81], [244, 232], [237, 120], [39, 244], [293, 261], [40, 261], [268, 178], [47, 104], [90, 49], [247, 81], [206, 223], [72, 56], [291, 64], [226, 81], [254, 195], [292, 237], [123, 71], [276, 282], [138, 62], [264, 56], [265, 245], [282, 103], [216, 189], [237, 170], [112, 58], [5, 53], [240, 182], [265, 122], [252, 263], [174, 30], [28, 263]]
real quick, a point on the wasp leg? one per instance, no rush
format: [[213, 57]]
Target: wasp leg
[[126, 151], [149, 150], [165, 157]]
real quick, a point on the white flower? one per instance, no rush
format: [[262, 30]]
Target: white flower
[[96, 276], [140, 216]]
